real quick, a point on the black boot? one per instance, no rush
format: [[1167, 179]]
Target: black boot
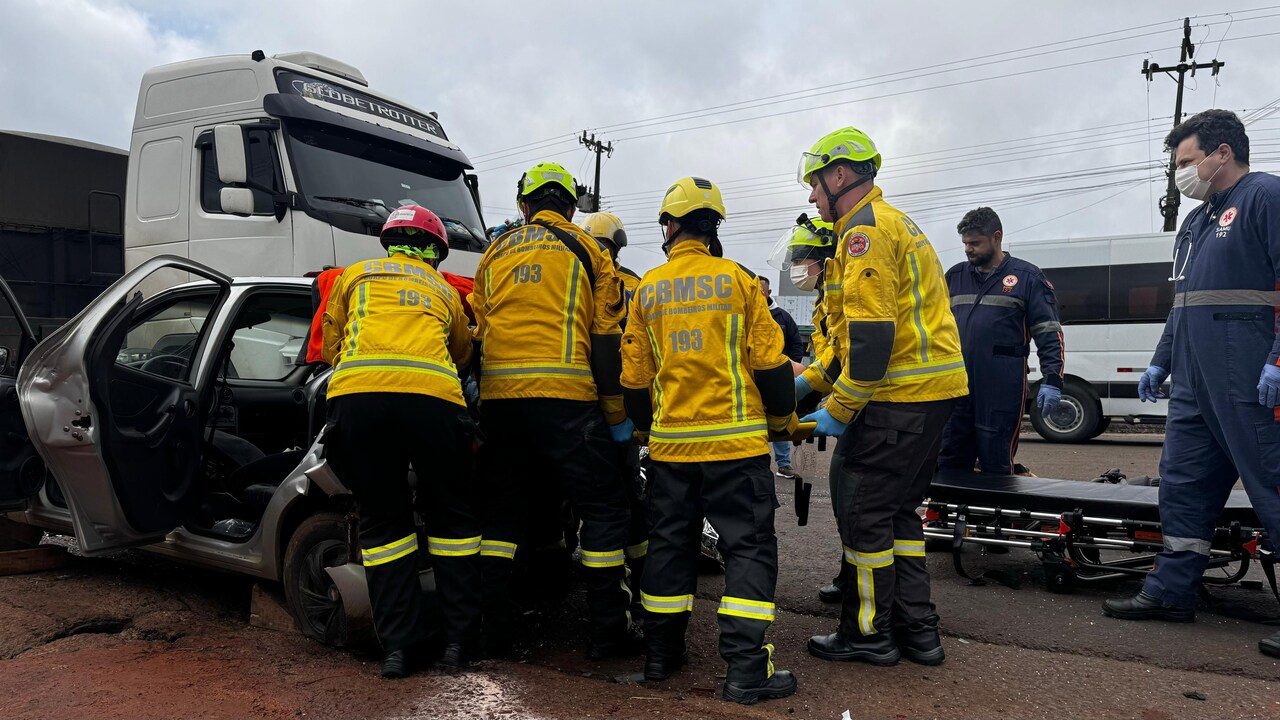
[[454, 657], [658, 668], [778, 685], [920, 642], [395, 665], [877, 649], [1144, 607], [831, 592], [1270, 646]]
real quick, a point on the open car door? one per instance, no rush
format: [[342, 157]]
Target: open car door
[[115, 402], [21, 469]]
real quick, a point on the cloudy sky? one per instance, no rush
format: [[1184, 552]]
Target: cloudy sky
[[1037, 109]]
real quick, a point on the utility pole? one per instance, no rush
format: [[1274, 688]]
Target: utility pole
[[1169, 203], [599, 148]]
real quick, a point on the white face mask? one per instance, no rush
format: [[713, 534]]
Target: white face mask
[[801, 278], [1189, 183]]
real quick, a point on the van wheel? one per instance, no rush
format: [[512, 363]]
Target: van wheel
[[319, 542], [1075, 419]]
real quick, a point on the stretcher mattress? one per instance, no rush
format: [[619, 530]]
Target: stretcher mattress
[[1014, 492]]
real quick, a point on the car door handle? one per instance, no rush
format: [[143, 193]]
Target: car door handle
[[152, 437]]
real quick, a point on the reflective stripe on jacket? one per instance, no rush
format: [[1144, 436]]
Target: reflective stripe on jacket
[[536, 310], [395, 325], [897, 339], [697, 329]]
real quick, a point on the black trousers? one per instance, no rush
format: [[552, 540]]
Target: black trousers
[[542, 449], [638, 531], [737, 497], [880, 472], [377, 436]]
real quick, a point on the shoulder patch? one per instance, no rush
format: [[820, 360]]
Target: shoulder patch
[[858, 244], [1010, 280]]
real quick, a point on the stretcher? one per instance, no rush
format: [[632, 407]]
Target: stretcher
[[1083, 532]]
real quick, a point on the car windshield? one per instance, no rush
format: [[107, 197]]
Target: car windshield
[[348, 173]]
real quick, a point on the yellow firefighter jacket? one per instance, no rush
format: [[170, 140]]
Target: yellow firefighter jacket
[[395, 325], [897, 339], [698, 327], [630, 280], [536, 311]]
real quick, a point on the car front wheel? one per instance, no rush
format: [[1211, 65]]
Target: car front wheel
[[319, 542]]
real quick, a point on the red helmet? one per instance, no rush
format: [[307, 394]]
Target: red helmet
[[417, 226]]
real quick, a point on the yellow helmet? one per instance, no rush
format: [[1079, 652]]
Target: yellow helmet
[[546, 174], [606, 227], [848, 143], [689, 194]]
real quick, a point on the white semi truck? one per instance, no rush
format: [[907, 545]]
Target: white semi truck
[[282, 165]]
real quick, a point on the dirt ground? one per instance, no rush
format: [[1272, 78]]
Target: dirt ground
[[137, 637]]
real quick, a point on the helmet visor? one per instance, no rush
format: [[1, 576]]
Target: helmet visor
[[808, 163]]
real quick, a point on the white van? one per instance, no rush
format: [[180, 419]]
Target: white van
[[1114, 294]]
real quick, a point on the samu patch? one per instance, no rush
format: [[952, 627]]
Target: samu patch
[[1227, 217], [859, 244]]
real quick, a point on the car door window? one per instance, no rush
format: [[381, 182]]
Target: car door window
[[164, 341], [269, 329]]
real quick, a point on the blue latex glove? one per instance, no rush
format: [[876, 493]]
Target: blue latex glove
[[827, 425], [622, 431], [1269, 386], [802, 387], [1048, 398], [1149, 385]]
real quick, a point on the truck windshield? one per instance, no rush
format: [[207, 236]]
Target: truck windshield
[[359, 179]]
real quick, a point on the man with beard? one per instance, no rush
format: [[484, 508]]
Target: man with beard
[[1000, 303]]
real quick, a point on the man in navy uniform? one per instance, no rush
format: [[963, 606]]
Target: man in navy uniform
[[1220, 341], [1000, 304]]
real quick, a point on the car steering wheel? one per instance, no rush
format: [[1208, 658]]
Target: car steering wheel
[[170, 366]]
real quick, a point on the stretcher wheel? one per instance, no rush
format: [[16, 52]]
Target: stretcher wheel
[[1059, 578]]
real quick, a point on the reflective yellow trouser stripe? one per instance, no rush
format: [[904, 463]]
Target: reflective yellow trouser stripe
[[497, 548], [908, 548], [453, 547], [749, 609], [607, 558], [391, 551], [666, 603], [864, 563], [638, 550]]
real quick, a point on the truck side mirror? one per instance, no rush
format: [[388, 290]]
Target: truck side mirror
[[236, 201], [233, 157], [472, 182]]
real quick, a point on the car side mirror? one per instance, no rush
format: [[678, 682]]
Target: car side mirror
[[233, 159], [236, 201]]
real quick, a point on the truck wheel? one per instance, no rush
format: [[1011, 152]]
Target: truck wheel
[[319, 542], [1103, 424], [1074, 420]]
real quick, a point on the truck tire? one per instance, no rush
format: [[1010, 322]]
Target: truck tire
[[1076, 418], [319, 542]]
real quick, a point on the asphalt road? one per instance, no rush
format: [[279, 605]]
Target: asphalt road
[[138, 637]]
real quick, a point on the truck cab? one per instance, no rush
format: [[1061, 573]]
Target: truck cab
[[284, 165]]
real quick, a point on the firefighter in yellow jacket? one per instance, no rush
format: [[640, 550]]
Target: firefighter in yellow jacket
[[900, 371], [803, 253], [609, 231], [703, 371], [547, 304], [397, 336]]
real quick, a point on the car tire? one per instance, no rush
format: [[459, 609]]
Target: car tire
[[1076, 419], [319, 542]]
